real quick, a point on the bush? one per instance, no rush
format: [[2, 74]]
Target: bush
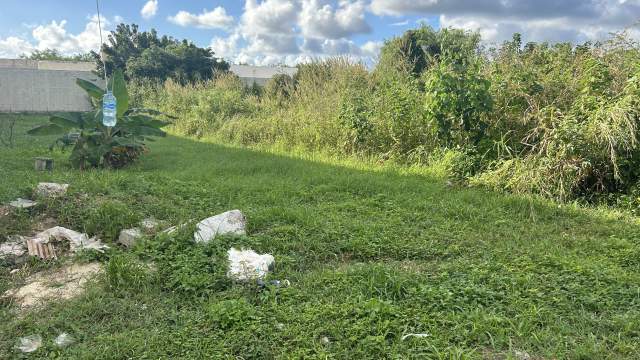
[[557, 120], [96, 145]]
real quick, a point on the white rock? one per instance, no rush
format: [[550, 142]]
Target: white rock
[[149, 226], [522, 355], [13, 249], [248, 265], [51, 190], [229, 223], [128, 237], [23, 203]]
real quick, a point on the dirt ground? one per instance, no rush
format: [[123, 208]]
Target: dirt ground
[[64, 283]]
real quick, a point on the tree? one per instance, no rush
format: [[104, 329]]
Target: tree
[[418, 50], [146, 55], [53, 54]]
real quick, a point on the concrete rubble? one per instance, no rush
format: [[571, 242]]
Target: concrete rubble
[[228, 223], [14, 250], [20, 203], [128, 237], [245, 265], [51, 190]]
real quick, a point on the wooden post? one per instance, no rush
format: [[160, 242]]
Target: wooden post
[[44, 164]]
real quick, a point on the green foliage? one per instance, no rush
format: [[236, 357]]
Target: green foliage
[[373, 252], [55, 55], [457, 99], [107, 219], [192, 269], [144, 55], [279, 88], [95, 145], [554, 119], [228, 314], [126, 273], [418, 50]]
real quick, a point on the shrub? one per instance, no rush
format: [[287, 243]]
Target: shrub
[[95, 145], [558, 120]]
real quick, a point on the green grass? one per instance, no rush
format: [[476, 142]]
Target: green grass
[[372, 253]]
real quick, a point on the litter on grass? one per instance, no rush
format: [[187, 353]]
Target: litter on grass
[[20, 203], [63, 340], [29, 344], [248, 265], [43, 244], [405, 337]]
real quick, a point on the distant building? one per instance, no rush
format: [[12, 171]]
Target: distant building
[[260, 74], [49, 86]]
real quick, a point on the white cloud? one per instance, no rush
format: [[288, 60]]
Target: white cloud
[[150, 9], [215, 19], [539, 20], [54, 35], [293, 31], [12, 47], [321, 20], [372, 48]]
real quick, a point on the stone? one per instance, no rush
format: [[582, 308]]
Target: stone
[[149, 226], [51, 190], [247, 265], [229, 223], [129, 237], [522, 355], [23, 203], [13, 251]]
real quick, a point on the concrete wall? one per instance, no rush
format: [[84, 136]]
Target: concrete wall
[[43, 86], [50, 86]]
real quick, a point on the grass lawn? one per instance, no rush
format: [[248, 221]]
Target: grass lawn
[[372, 252]]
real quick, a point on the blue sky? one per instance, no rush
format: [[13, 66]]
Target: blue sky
[[290, 31]]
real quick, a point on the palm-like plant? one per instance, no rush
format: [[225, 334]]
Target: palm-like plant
[[95, 145]]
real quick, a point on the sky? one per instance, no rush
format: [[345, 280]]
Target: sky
[[267, 32]]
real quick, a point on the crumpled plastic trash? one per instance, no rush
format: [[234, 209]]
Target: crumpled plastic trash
[[405, 337], [29, 344], [248, 265], [63, 340]]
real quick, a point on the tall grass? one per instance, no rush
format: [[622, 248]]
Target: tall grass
[[558, 120]]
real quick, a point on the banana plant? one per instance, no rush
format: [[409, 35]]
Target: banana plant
[[95, 145]]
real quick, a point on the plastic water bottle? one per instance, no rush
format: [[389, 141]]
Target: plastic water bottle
[[109, 109]]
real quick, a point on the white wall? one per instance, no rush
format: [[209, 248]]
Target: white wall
[[43, 86], [50, 86]]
